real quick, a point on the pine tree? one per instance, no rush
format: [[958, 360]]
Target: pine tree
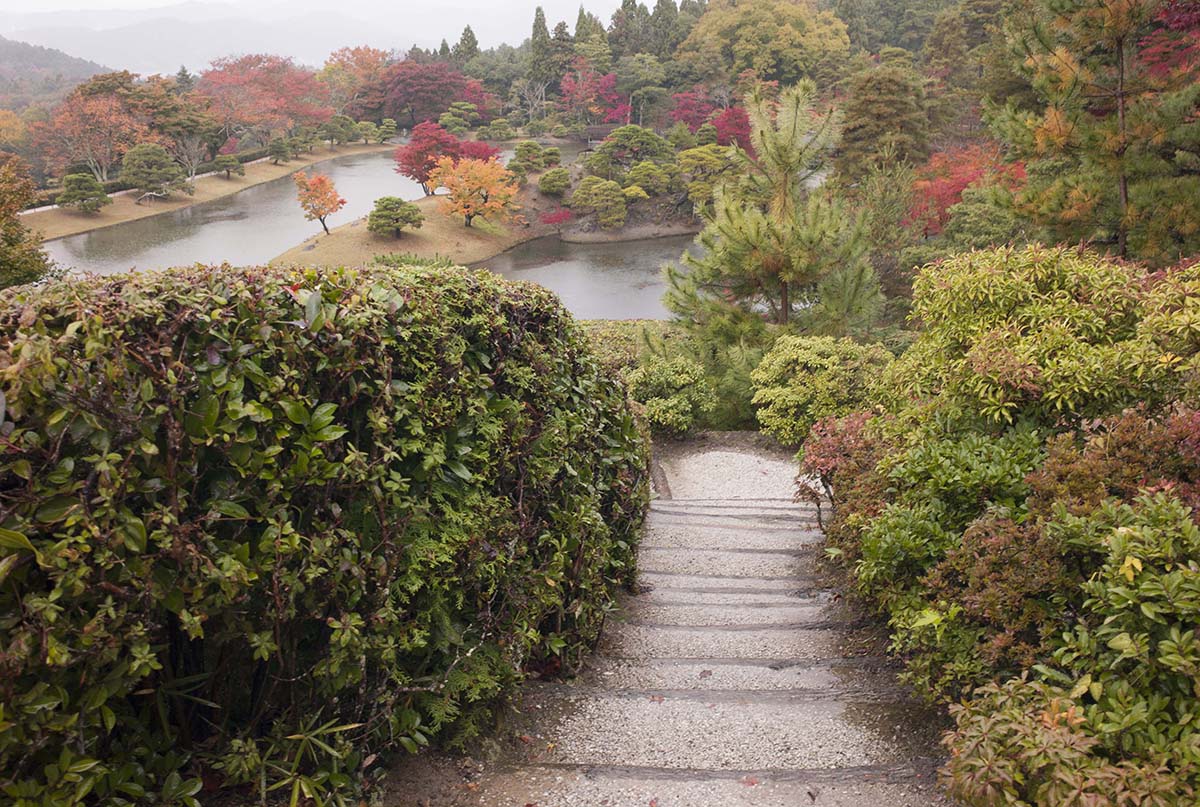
[[663, 28], [467, 47], [541, 51], [769, 243], [1112, 151], [884, 115], [185, 82]]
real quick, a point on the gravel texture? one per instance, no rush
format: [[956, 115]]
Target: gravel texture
[[735, 677]]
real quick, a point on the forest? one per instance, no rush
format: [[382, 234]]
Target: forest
[[946, 251]]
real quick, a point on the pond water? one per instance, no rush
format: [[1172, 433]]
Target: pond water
[[597, 281], [249, 227]]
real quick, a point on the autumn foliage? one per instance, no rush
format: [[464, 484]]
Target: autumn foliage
[[941, 181], [482, 188], [318, 197]]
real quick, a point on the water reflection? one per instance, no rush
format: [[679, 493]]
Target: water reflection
[[597, 281]]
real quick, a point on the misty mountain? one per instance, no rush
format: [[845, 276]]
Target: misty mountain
[[34, 74], [159, 40]]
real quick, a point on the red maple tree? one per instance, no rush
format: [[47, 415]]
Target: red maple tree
[[428, 144], [95, 130], [941, 181]]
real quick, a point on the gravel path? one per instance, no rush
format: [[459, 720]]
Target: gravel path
[[736, 676]]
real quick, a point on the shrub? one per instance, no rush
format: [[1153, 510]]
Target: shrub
[[530, 153], [279, 150], [804, 379], [230, 165], [555, 182], [150, 169], [249, 512], [560, 216], [650, 177], [392, 214], [551, 156], [674, 391], [1114, 717], [83, 192], [603, 196]]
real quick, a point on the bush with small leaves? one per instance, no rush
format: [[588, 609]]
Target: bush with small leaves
[[392, 214], [299, 518], [603, 196], [551, 156], [674, 391], [555, 182], [803, 379], [279, 150], [230, 165], [82, 192], [530, 153]]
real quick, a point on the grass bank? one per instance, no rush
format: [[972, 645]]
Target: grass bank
[[60, 222], [440, 235]]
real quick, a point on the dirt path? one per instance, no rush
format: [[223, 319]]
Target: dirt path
[[736, 677]]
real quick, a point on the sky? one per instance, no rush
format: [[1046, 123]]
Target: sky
[[149, 36]]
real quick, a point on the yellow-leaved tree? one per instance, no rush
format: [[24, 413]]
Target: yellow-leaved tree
[[482, 188]]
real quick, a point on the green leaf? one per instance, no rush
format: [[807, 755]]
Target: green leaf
[[7, 564], [10, 539], [231, 509], [56, 509], [328, 433], [296, 412]]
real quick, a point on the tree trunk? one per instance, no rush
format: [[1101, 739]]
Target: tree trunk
[[1122, 146], [785, 304], [324, 225]]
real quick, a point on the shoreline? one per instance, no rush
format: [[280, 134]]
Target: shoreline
[[56, 223]]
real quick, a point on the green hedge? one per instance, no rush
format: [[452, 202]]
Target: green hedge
[[261, 525]]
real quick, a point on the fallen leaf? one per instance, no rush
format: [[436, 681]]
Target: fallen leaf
[[653, 802], [656, 699], [749, 781], [706, 673], [525, 738]]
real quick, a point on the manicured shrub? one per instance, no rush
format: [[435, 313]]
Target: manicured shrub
[[260, 524], [82, 192], [530, 153], [652, 178], [603, 196], [392, 214], [803, 379], [555, 182], [551, 156], [674, 391]]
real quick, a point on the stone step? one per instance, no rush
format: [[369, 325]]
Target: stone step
[[591, 786], [719, 597], [649, 642], [858, 677], [790, 584], [692, 536], [727, 563], [639, 611], [768, 507], [749, 730]]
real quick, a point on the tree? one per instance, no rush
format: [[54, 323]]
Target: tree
[[640, 77], [706, 168], [588, 96], [185, 82], [94, 130], [555, 182], [562, 47], [768, 243], [392, 214], [339, 129], [885, 114], [664, 28], [624, 148], [421, 92], [21, 257], [230, 164], [541, 51], [779, 40], [419, 156], [354, 77], [1110, 147], [255, 95], [82, 192], [630, 32], [467, 47], [387, 130], [279, 151], [318, 197], [693, 108], [603, 196], [149, 168], [733, 128], [475, 188]]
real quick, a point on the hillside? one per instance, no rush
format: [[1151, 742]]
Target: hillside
[[31, 73]]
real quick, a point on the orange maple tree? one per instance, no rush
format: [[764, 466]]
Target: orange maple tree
[[483, 188], [94, 130], [318, 197]]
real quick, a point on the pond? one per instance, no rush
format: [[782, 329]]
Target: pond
[[597, 281]]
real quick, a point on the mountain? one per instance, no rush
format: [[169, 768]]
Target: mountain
[[160, 39], [34, 74]]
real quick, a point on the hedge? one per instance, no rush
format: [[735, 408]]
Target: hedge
[[261, 525]]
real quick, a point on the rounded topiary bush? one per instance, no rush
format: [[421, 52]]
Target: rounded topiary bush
[[804, 379], [265, 523], [675, 391], [555, 182]]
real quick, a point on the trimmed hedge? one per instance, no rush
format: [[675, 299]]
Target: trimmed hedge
[[260, 525]]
